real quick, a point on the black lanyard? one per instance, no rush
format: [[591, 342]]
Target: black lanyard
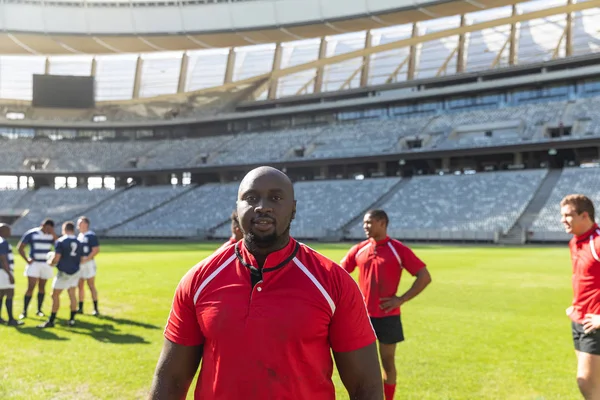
[[255, 273]]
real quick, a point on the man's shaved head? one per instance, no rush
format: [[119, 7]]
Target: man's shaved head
[[4, 230], [265, 172], [266, 208]]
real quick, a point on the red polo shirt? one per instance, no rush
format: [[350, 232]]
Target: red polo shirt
[[227, 243], [272, 341], [585, 255], [380, 266]]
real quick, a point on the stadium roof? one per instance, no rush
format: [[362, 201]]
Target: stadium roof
[[528, 32], [48, 27]]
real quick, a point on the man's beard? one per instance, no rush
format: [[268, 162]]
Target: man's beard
[[267, 241]]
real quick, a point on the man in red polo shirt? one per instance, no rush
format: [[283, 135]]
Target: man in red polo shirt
[[263, 315], [236, 232], [380, 261], [577, 216]]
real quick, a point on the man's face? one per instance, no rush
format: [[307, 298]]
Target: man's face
[[5, 231], [575, 224], [265, 208], [47, 229], [373, 227], [82, 225]]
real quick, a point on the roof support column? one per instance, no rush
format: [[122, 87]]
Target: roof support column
[[412, 54], [276, 66], [366, 64], [94, 67], [230, 66], [569, 33], [185, 59], [460, 54], [320, 70], [137, 80], [512, 50]]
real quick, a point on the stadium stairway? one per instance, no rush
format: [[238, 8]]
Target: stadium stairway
[[517, 234], [189, 189], [117, 192], [343, 231]]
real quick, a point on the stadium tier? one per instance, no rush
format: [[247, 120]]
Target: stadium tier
[[547, 225], [59, 204], [527, 123], [193, 213], [471, 207], [465, 207]]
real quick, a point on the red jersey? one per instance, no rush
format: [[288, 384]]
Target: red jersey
[[585, 251], [273, 340], [227, 243], [380, 266]]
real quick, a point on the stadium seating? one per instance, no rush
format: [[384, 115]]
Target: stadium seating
[[459, 207], [60, 204], [9, 198], [474, 128], [196, 211], [527, 123], [547, 225], [130, 203], [363, 138], [320, 208]]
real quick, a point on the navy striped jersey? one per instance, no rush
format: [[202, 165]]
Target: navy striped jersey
[[6, 250], [89, 241], [70, 250], [40, 243]]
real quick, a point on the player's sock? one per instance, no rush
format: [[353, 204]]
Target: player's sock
[[26, 304], [96, 305], [52, 317], [2, 298], [9, 309], [40, 300], [389, 390], [73, 313], [80, 306]]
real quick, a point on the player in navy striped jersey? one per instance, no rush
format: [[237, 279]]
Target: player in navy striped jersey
[[40, 241], [91, 247], [7, 277], [67, 260]]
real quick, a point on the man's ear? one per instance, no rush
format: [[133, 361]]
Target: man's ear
[[294, 210]]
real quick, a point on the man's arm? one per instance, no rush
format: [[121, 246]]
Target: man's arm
[[93, 253], [175, 371], [423, 279], [21, 248], [5, 266], [55, 260], [360, 373]]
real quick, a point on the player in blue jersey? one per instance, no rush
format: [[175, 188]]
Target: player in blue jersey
[[40, 241], [91, 247], [7, 276], [67, 259]]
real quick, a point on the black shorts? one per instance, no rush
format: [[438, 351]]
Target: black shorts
[[388, 329], [586, 343]]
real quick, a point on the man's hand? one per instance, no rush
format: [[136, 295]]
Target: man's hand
[[83, 260], [29, 260], [591, 322], [390, 303], [11, 278]]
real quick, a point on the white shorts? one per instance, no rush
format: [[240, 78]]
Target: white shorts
[[87, 270], [4, 281], [63, 280], [39, 269]]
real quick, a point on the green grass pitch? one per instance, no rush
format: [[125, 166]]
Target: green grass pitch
[[491, 326]]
